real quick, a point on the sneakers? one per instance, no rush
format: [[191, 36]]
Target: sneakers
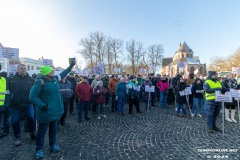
[[192, 115], [39, 154], [199, 115], [210, 130], [98, 117], [104, 116], [54, 149], [217, 129], [18, 141]]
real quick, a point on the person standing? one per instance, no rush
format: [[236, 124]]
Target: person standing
[[212, 85], [73, 81], [99, 93], [66, 90], [112, 86], [45, 94], [4, 103], [133, 96], [197, 90], [83, 92], [121, 93], [93, 85], [163, 86], [181, 99], [19, 86]]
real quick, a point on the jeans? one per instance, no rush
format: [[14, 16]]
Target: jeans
[[100, 109], [6, 116], [71, 104], [197, 103], [15, 117], [64, 115], [132, 102], [121, 104], [42, 129], [212, 113], [163, 99], [205, 106], [83, 106], [114, 103], [181, 107]]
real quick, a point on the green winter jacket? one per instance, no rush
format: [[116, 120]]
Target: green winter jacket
[[48, 93]]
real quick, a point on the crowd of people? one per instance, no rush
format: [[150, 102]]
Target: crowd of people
[[48, 99]]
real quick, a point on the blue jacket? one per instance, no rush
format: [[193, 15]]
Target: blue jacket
[[66, 90], [121, 90], [132, 89], [48, 94]]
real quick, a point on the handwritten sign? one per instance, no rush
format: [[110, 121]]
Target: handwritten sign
[[138, 88], [235, 93], [149, 89], [227, 97]]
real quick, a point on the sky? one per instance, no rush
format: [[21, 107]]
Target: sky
[[53, 28]]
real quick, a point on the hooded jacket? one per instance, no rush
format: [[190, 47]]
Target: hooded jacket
[[48, 94]]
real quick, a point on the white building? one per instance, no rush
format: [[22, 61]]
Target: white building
[[32, 64]]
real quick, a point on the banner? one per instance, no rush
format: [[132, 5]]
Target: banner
[[227, 97], [117, 70], [85, 72], [186, 91], [153, 68], [143, 71], [235, 93], [98, 70]]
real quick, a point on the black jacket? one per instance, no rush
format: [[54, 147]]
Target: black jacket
[[73, 81], [196, 87], [180, 87], [19, 87]]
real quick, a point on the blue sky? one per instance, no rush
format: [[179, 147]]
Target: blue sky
[[53, 28]]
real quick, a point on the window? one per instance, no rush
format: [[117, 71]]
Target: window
[[28, 67]]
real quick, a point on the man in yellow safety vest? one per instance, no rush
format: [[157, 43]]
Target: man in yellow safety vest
[[211, 85]]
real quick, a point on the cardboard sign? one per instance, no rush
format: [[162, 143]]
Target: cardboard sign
[[235, 93], [149, 89], [227, 97]]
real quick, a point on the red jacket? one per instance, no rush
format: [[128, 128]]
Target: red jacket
[[99, 94], [112, 86], [83, 92]]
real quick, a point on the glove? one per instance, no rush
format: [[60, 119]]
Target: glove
[[45, 108], [218, 89], [223, 91], [72, 64]]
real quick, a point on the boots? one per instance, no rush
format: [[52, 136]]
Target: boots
[[233, 115], [227, 115]]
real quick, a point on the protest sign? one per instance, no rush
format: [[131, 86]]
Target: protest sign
[[227, 97], [149, 89]]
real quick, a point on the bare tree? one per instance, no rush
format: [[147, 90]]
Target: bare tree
[[155, 55], [117, 49], [135, 52], [98, 40], [109, 56], [87, 51]]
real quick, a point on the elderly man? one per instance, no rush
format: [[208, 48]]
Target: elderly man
[[19, 86]]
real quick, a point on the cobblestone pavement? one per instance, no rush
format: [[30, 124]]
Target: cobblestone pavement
[[155, 134]]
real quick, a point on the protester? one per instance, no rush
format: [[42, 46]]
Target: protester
[[83, 92], [146, 97], [66, 90], [181, 99], [163, 86], [19, 86], [133, 96], [212, 85], [93, 85], [105, 85], [4, 103], [45, 94], [121, 93], [99, 93], [112, 86], [73, 81], [197, 91], [230, 107]]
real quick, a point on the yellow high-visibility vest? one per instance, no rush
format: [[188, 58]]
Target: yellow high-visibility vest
[[3, 87], [212, 85]]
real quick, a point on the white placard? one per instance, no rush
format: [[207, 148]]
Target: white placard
[[12, 68], [227, 97], [149, 89], [186, 91], [138, 88], [117, 70], [235, 93]]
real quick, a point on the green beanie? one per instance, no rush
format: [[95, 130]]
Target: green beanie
[[45, 70]]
